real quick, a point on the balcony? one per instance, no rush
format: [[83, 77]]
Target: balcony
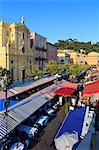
[[44, 59], [40, 48], [40, 58]]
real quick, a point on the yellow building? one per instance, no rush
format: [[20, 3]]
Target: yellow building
[[93, 58], [77, 58], [73, 55], [15, 52]]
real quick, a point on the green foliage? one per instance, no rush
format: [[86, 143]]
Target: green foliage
[[5, 81], [52, 67], [29, 72], [1, 73], [75, 45], [8, 101], [34, 71], [67, 104], [77, 69]]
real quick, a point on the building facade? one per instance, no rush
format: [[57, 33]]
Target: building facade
[[38, 44], [63, 57], [93, 58], [15, 52], [51, 52], [76, 57], [80, 57]]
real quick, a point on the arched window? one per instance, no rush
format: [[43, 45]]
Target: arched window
[[23, 35], [23, 50]]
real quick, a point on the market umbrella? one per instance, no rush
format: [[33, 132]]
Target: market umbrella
[[65, 91]]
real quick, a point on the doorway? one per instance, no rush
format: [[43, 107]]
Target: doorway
[[23, 74]]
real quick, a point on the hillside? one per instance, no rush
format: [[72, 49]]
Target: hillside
[[75, 45]]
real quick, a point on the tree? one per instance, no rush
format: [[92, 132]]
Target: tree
[[75, 70], [29, 72], [5, 78], [1, 72], [52, 67], [34, 71]]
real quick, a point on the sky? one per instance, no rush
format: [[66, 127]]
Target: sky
[[55, 19]]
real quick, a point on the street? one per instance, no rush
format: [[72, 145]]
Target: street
[[45, 142]]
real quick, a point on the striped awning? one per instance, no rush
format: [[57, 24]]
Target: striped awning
[[19, 112]]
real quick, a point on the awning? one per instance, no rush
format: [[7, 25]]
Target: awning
[[24, 87], [96, 73], [70, 85], [91, 88], [12, 102], [49, 91], [97, 104], [73, 122], [65, 91], [19, 112], [67, 140]]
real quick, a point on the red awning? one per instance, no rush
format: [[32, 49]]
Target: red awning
[[94, 73], [65, 91], [97, 104], [91, 88], [70, 85]]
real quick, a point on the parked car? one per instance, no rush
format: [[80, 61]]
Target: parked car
[[50, 112], [30, 131], [46, 76], [57, 75], [55, 107], [31, 122], [43, 120], [14, 144], [36, 78], [17, 146], [20, 145], [4, 145]]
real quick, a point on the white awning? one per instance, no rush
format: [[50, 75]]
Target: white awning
[[19, 112]]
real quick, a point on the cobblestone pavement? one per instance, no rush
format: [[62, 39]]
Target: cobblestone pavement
[[45, 142]]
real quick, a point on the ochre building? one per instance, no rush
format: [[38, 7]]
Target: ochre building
[[15, 52]]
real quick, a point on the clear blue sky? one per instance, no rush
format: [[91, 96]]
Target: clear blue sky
[[55, 19]]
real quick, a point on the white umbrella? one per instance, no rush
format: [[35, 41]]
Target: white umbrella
[[66, 141]]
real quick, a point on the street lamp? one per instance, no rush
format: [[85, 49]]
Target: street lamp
[[5, 79]]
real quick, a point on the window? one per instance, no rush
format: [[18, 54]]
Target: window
[[23, 35], [11, 61], [7, 33], [23, 50], [11, 72], [30, 61]]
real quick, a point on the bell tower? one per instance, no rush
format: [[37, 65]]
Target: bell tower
[[22, 20]]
